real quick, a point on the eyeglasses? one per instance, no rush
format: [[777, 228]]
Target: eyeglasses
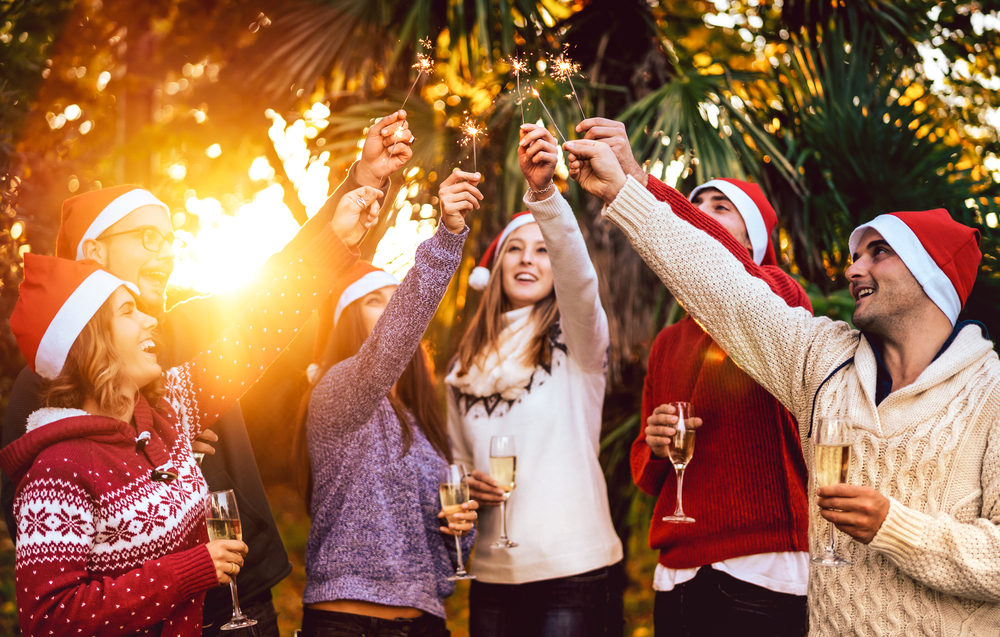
[[152, 239]]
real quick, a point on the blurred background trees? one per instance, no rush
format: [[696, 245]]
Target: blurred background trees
[[241, 116]]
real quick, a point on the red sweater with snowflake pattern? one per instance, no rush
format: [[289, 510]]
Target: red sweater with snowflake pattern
[[103, 548], [746, 483]]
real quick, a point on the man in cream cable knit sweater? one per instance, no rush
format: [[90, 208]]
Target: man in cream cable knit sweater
[[922, 501]]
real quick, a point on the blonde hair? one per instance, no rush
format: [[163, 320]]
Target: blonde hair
[[486, 325], [93, 369]]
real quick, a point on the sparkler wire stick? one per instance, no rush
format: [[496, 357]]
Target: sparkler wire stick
[[471, 132], [519, 66], [424, 64], [551, 119], [563, 68]]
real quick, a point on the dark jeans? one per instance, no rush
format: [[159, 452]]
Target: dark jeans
[[261, 609], [714, 603], [325, 623], [575, 606]]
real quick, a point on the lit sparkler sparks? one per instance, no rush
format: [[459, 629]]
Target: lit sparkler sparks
[[551, 119], [424, 64], [563, 69], [470, 133], [518, 66]]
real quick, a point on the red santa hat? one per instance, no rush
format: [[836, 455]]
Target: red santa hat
[[757, 213], [88, 215], [480, 275], [57, 299], [362, 278], [941, 254]]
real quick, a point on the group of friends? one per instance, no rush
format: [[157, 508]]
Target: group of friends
[[105, 500]]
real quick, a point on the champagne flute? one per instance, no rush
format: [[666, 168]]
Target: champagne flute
[[833, 462], [680, 449], [224, 524], [503, 464], [454, 493]]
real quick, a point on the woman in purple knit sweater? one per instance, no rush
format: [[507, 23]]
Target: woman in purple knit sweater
[[374, 442]]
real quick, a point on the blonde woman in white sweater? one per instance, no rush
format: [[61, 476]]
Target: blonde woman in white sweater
[[532, 365], [922, 499]]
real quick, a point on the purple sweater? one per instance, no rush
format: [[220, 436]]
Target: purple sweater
[[374, 533]]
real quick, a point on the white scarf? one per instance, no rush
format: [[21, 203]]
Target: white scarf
[[501, 370]]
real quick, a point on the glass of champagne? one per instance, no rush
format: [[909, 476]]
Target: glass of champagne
[[833, 462], [224, 524], [454, 493], [680, 449], [503, 464]]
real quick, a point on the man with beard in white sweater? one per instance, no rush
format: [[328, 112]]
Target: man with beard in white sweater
[[922, 498]]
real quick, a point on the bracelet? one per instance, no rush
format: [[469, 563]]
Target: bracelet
[[536, 193]]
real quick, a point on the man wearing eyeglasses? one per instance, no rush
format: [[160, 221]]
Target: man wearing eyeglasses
[[128, 231]]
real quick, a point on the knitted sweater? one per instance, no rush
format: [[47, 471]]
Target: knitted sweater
[[374, 534], [932, 448], [559, 511], [104, 549], [746, 484]]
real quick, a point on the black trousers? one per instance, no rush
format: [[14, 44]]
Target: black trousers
[[325, 623], [714, 603]]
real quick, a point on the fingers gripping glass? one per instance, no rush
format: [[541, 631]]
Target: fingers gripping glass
[[680, 449], [503, 465], [832, 464], [455, 493], [152, 239], [224, 524]]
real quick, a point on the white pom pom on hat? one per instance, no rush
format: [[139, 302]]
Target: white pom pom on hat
[[480, 275]]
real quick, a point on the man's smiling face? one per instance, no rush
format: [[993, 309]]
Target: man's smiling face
[[884, 290], [130, 260]]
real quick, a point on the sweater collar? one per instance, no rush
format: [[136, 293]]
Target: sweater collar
[[883, 379]]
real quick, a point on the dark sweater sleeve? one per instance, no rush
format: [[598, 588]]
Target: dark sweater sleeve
[[214, 313], [205, 387], [25, 397], [348, 394], [648, 472], [780, 283]]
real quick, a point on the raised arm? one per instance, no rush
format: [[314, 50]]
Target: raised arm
[[205, 387], [52, 563], [351, 390], [778, 346], [581, 315]]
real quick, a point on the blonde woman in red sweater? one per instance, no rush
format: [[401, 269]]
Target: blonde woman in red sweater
[[111, 534], [742, 567]]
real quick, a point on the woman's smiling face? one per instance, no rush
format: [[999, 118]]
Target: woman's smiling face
[[132, 337], [525, 267]]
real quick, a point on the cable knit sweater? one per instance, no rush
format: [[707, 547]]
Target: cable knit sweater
[[102, 547], [374, 533], [933, 447], [559, 511]]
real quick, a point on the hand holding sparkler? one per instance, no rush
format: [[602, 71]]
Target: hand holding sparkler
[[614, 134], [537, 156], [357, 211], [380, 155], [424, 64], [458, 195]]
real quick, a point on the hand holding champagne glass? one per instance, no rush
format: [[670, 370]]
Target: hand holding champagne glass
[[455, 493], [503, 466], [223, 521], [833, 463], [680, 449]]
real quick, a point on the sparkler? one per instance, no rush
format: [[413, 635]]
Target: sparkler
[[551, 119], [563, 69], [518, 66], [470, 133], [424, 64]]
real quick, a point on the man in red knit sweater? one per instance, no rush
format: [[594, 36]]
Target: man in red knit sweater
[[743, 566]]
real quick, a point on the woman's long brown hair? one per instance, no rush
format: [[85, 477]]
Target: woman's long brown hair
[[414, 393], [485, 327], [93, 369]]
